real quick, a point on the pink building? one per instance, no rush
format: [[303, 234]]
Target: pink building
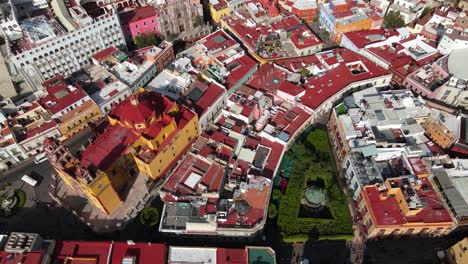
[[138, 21]]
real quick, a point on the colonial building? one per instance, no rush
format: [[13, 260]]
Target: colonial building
[[70, 106], [147, 133]]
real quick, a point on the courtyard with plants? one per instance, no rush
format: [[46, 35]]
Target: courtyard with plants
[[309, 163]]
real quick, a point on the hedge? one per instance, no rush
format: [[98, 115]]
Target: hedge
[[312, 162]]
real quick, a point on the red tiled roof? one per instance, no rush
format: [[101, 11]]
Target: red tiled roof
[[388, 54], [322, 88], [108, 147], [143, 252], [273, 159], [360, 38], [209, 97], [302, 37], [287, 23], [289, 88], [211, 173], [211, 41], [246, 65], [231, 256], [267, 78], [139, 108], [387, 210], [418, 166], [137, 14], [60, 95], [97, 252], [104, 53]]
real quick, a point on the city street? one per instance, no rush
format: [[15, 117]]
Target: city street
[[44, 170], [42, 218]]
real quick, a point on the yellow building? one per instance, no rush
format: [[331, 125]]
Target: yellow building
[[147, 133], [219, 10], [458, 253], [78, 119], [401, 208], [92, 182], [438, 133]]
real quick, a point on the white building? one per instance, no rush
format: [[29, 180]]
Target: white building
[[452, 40], [10, 152], [409, 9], [46, 50], [9, 25], [170, 83], [112, 93]]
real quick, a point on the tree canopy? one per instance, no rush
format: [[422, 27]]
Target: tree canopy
[[393, 20], [149, 216], [147, 39]]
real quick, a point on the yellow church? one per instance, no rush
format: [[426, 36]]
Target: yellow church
[[147, 134]]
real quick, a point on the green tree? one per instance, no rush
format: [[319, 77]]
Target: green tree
[[304, 72], [147, 39], [272, 211], [149, 216], [393, 20]]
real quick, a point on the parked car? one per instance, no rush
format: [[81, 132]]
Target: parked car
[[40, 158], [29, 180]]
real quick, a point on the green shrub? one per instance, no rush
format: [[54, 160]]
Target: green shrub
[[276, 194], [272, 211], [21, 196], [149, 216]]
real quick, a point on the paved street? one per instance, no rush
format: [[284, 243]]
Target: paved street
[[44, 170], [43, 219]]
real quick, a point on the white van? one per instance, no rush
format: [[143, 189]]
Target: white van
[[29, 180], [41, 157]]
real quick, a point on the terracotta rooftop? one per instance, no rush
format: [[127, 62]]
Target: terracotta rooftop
[[387, 210], [323, 87], [193, 176], [218, 41], [108, 147], [137, 14], [201, 96], [60, 95], [362, 38], [141, 107]]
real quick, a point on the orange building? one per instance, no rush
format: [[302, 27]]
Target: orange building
[[438, 133], [304, 9], [339, 16]]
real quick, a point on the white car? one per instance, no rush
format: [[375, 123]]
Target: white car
[[40, 158], [29, 180]]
